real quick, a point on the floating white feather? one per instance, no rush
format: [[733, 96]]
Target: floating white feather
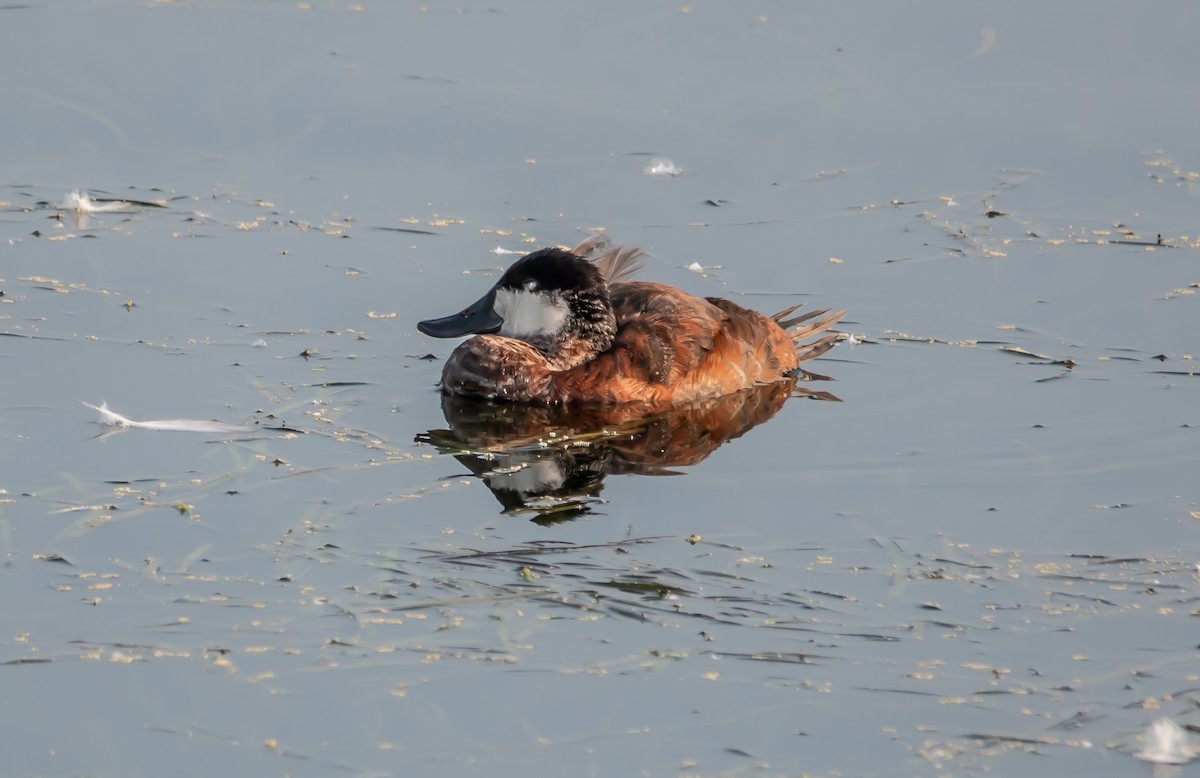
[[1165, 742], [80, 202], [111, 418]]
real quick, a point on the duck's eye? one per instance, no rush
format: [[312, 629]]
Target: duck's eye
[[530, 285]]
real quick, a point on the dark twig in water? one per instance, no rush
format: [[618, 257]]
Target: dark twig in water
[[1158, 241], [408, 230]]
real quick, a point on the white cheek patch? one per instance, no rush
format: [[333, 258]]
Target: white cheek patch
[[529, 313]]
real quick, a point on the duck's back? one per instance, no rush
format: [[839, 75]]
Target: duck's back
[[673, 347]]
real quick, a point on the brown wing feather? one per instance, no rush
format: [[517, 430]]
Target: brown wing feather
[[668, 333], [663, 335], [761, 350]]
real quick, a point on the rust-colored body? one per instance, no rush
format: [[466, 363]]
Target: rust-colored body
[[670, 347]]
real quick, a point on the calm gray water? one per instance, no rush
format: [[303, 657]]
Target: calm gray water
[[984, 558]]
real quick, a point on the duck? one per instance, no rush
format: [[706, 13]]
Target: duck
[[572, 327]]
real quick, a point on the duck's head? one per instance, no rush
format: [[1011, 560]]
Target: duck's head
[[552, 299]]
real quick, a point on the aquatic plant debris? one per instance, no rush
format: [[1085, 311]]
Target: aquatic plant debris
[[113, 419], [1165, 742]]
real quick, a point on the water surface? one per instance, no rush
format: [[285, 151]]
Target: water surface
[[982, 558]]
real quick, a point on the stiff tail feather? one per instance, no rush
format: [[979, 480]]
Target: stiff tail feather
[[817, 322]]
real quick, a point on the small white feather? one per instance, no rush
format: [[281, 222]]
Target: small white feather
[[81, 202], [1165, 742]]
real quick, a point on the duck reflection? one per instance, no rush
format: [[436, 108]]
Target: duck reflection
[[550, 462]]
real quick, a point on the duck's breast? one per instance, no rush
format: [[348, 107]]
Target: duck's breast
[[496, 367]]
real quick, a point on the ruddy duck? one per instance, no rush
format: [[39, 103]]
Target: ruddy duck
[[563, 327]]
